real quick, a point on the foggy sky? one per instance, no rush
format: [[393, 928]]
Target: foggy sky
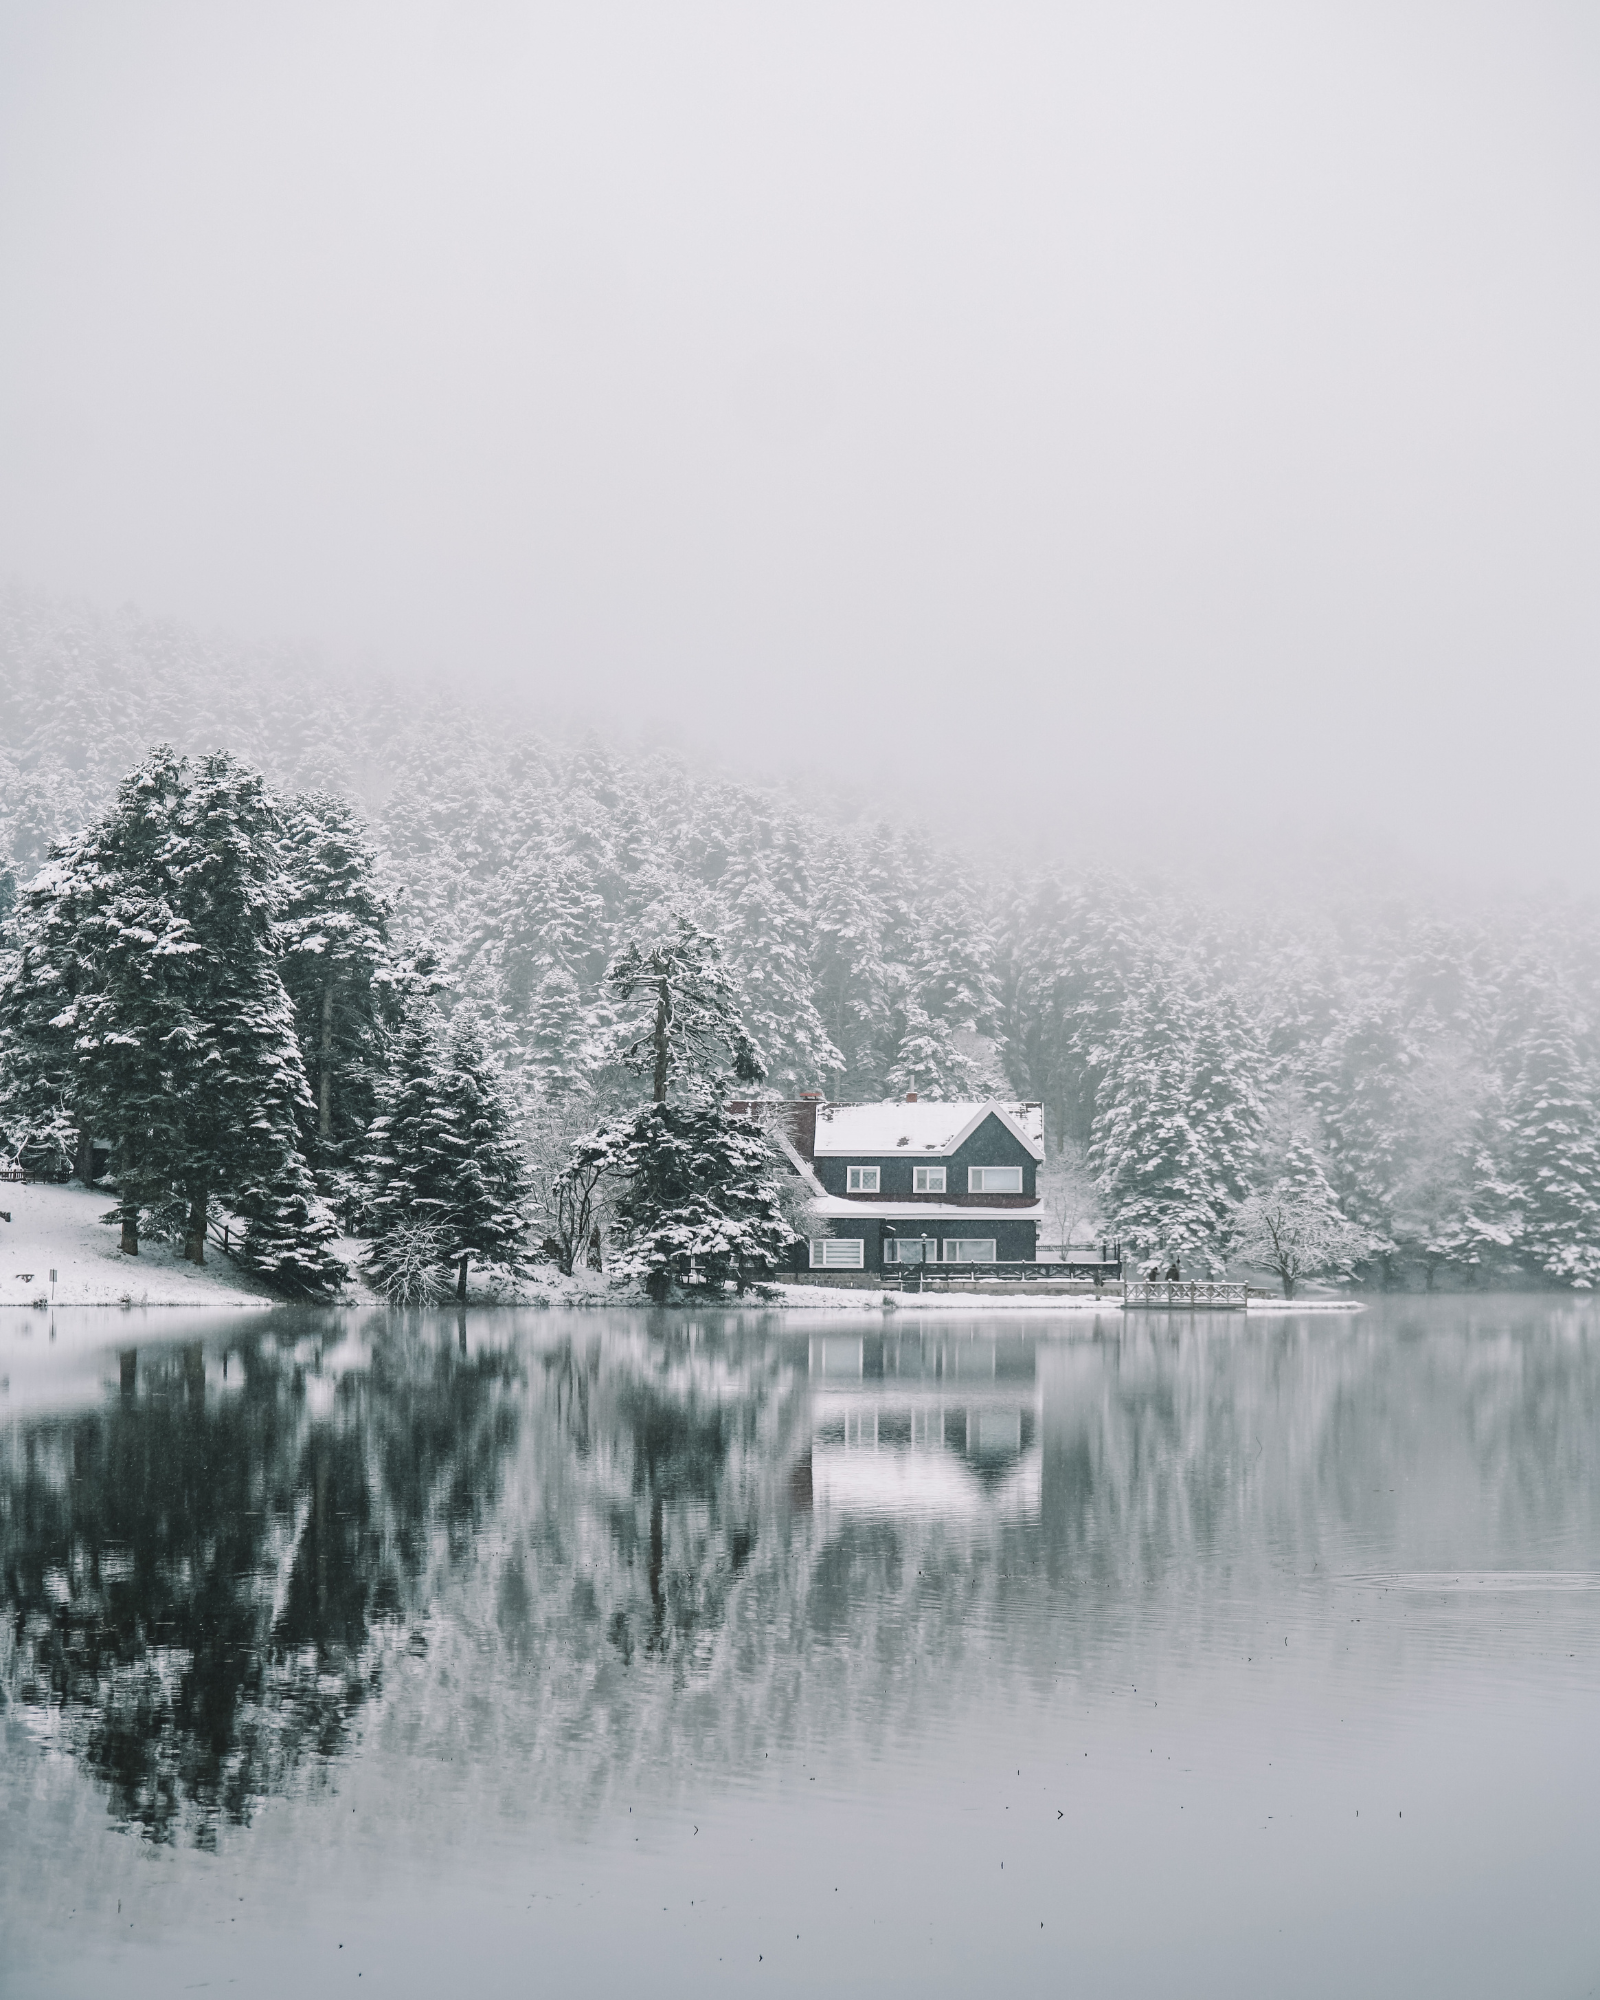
[[1102, 425]]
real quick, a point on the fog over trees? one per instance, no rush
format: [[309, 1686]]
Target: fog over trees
[[1409, 1085]]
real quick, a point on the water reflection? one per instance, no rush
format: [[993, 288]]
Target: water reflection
[[204, 1578], [572, 1549]]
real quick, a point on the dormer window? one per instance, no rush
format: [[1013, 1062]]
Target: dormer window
[[862, 1180], [927, 1180], [994, 1180]]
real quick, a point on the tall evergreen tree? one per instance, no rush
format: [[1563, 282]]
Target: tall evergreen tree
[[698, 1198], [157, 930], [334, 933], [1177, 1123], [1552, 1148], [696, 1184], [442, 1154], [689, 1028]]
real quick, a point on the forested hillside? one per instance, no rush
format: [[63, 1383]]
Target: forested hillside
[[1427, 1077]]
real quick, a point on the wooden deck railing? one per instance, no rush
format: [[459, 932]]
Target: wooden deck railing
[[1167, 1295], [914, 1277]]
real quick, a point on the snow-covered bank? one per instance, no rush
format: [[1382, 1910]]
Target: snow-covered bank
[[1306, 1306], [59, 1229]]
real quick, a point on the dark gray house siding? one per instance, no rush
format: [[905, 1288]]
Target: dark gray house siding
[[1015, 1241]]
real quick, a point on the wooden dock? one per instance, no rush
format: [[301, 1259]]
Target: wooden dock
[[1163, 1295]]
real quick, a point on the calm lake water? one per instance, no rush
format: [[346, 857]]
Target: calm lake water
[[526, 1653]]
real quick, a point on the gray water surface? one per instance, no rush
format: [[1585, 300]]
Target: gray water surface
[[525, 1653]]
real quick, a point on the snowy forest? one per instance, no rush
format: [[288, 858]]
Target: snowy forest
[[446, 894]]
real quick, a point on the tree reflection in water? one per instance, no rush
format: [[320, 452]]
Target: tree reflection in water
[[656, 1547], [204, 1581]]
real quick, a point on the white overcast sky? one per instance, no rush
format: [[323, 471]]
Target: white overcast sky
[[1172, 426]]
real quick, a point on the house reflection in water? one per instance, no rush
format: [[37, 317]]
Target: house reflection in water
[[933, 1422]]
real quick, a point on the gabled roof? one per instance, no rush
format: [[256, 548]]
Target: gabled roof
[[867, 1131]]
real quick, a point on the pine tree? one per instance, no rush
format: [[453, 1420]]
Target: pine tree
[[767, 940], [696, 1185], [692, 1030], [114, 914], [156, 930], [334, 933], [442, 1155], [699, 1199], [926, 1058], [40, 1124], [247, 1096], [1552, 1148], [1178, 1121], [1361, 1085]]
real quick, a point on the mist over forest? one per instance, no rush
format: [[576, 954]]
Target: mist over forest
[[1435, 1069]]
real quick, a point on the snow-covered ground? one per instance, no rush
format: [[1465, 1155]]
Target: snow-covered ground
[[59, 1229]]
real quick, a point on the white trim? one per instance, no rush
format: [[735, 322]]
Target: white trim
[[922, 1183], [999, 1111], [836, 1253], [857, 1182], [795, 1157], [978, 1180]]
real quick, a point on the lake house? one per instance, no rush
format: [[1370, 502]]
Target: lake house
[[916, 1180]]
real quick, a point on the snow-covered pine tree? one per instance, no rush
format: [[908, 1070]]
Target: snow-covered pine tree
[[442, 1153], [488, 1218], [766, 939], [1440, 1162], [1551, 1147], [157, 927], [683, 1021], [926, 1058], [334, 934], [1178, 1119], [245, 1094], [696, 1195], [1147, 1155], [40, 1122], [847, 971], [1480, 1233], [698, 1200], [110, 909], [1360, 1083]]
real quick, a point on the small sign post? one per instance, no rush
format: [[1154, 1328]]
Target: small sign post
[[52, 1288]]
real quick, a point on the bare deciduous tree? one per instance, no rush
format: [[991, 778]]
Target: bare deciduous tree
[[1294, 1235]]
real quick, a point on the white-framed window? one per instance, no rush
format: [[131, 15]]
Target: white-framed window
[[911, 1249], [862, 1180], [927, 1180], [969, 1250], [837, 1253], [994, 1180]]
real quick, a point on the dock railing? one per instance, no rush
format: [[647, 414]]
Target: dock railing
[[1170, 1295], [939, 1277]]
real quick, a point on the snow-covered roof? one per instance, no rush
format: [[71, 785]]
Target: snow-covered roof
[[928, 1126]]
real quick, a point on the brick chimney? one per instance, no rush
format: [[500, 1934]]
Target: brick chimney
[[911, 1097]]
